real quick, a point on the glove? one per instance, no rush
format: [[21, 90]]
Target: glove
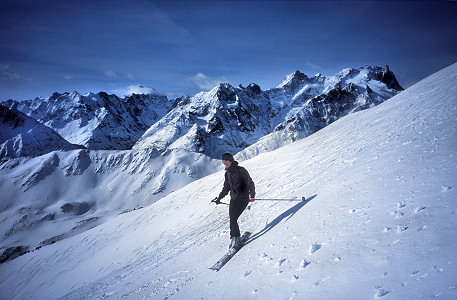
[[216, 200], [251, 200]]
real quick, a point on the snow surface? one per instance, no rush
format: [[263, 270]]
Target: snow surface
[[54, 196], [380, 223]]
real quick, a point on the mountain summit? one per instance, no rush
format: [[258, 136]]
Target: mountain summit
[[232, 119]]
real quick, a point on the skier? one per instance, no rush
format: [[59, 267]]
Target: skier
[[242, 191]]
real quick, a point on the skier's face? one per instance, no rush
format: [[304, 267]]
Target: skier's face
[[227, 163]]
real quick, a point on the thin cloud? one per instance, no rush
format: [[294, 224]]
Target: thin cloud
[[135, 89], [205, 82], [168, 30], [313, 65], [111, 74], [6, 74]]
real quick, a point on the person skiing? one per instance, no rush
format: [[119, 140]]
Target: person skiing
[[242, 191]]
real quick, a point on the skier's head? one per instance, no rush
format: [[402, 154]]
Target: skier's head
[[227, 159]]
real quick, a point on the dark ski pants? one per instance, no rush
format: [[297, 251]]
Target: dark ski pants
[[235, 210]]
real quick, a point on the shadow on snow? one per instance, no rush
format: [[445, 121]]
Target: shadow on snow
[[287, 214]]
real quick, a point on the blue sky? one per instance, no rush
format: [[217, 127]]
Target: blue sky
[[182, 47]]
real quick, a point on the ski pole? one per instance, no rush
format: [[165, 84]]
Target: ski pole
[[214, 200], [293, 199]]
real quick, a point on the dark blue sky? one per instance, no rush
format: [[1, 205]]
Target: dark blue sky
[[182, 47]]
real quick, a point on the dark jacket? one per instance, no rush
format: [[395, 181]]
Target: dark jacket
[[238, 183]]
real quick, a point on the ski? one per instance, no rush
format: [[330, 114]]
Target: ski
[[221, 262]]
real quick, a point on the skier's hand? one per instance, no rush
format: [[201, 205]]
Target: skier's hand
[[251, 200], [216, 200]]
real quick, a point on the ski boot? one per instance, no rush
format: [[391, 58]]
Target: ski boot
[[235, 243]]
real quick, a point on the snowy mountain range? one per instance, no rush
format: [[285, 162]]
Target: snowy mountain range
[[96, 121], [231, 119], [379, 223], [223, 119], [127, 164]]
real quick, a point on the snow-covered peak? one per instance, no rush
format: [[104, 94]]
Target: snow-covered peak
[[220, 120], [314, 103], [378, 79], [292, 81], [21, 135], [366, 73], [223, 92]]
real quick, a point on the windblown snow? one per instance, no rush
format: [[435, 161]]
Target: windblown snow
[[380, 221]]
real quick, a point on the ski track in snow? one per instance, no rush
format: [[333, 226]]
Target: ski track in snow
[[382, 206]]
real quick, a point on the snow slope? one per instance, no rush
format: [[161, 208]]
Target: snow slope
[[380, 224], [55, 196]]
